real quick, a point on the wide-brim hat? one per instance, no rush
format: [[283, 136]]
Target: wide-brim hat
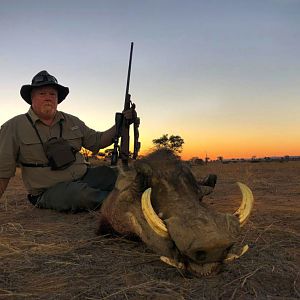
[[40, 79]]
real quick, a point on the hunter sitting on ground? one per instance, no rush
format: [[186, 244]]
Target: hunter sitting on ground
[[46, 144]]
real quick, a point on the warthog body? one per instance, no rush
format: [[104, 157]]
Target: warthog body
[[197, 238]]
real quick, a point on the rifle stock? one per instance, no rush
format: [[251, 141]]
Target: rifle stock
[[137, 144]]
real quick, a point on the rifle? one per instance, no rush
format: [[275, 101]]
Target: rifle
[[123, 127]]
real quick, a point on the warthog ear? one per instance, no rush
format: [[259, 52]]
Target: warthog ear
[[143, 177], [143, 168]]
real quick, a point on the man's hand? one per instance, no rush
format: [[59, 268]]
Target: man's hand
[[130, 114], [3, 185]]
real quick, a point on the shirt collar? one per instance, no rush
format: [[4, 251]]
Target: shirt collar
[[58, 116]]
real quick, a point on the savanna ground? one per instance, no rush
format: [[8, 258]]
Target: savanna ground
[[50, 255]]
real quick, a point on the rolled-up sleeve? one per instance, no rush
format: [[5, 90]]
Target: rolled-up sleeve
[[8, 150], [91, 139], [96, 140]]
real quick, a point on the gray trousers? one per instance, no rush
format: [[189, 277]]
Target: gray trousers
[[87, 193]]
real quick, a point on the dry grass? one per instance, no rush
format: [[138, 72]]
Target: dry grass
[[50, 255]]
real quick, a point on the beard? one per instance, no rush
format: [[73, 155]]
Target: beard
[[47, 111]]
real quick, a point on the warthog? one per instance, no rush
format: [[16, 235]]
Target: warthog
[[161, 204]]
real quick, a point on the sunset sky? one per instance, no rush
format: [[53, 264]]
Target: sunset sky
[[224, 75]]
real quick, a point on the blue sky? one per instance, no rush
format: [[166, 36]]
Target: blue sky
[[224, 75]]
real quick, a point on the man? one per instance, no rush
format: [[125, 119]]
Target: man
[[46, 142]]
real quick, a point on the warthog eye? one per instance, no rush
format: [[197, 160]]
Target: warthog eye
[[200, 255]]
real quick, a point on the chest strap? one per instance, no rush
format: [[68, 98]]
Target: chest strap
[[36, 165]]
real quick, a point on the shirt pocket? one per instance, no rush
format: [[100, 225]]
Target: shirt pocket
[[74, 138], [32, 151]]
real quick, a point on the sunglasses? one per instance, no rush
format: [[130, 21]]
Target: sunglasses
[[44, 78]]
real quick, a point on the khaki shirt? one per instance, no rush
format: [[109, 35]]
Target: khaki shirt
[[19, 144]]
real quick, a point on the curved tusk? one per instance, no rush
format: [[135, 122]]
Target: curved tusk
[[172, 262], [151, 217], [246, 206], [233, 256]]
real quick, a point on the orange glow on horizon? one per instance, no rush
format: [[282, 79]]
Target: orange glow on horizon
[[231, 148]]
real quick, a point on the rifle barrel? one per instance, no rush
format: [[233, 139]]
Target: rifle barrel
[[128, 77]]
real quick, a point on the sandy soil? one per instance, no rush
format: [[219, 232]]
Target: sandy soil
[[50, 255]]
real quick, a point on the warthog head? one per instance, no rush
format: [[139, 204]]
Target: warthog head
[[161, 204]]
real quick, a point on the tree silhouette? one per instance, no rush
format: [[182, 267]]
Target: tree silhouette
[[174, 142]]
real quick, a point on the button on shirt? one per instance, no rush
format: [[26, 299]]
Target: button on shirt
[[19, 144]]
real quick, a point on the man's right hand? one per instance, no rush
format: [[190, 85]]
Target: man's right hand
[[130, 114]]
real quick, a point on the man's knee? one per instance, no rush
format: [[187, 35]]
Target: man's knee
[[102, 177]]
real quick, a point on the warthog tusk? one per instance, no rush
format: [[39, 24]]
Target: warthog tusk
[[233, 256], [202, 270], [246, 206], [172, 262], [156, 224]]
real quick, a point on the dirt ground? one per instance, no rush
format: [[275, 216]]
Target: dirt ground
[[50, 255]]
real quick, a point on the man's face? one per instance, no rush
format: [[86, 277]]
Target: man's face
[[44, 101]]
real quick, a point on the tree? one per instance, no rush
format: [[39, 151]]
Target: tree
[[207, 159], [161, 142], [174, 142], [86, 153], [108, 153]]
